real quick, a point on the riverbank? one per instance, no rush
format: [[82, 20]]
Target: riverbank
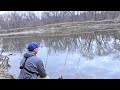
[[67, 28]]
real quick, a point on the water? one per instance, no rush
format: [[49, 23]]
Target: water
[[99, 54]]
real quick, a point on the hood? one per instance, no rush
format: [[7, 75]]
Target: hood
[[29, 54]]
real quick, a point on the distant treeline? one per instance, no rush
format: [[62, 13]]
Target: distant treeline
[[19, 19]]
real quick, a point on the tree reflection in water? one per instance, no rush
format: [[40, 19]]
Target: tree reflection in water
[[99, 43], [87, 45]]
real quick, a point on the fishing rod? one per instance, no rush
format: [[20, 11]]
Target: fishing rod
[[76, 69], [98, 70], [46, 61], [63, 68], [8, 54]]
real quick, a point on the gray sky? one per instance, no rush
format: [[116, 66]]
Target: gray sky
[[37, 12], [3, 12]]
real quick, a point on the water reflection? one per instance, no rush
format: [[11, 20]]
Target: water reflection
[[95, 46], [87, 44]]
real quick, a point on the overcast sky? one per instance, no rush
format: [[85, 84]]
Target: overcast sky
[[3, 12], [37, 12]]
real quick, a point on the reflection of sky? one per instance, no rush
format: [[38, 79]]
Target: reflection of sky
[[99, 67], [104, 66]]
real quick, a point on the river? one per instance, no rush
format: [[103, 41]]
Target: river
[[82, 56]]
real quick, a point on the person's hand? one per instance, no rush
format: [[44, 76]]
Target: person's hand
[[60, 77], [47, 77]]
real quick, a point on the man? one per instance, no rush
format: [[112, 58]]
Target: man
[[31, 66]]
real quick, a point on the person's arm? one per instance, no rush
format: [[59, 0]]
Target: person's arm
[[41, 71]]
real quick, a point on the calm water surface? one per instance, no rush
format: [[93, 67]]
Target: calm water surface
[[84, 56]]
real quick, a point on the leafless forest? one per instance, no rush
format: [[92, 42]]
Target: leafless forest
[[20, 19]]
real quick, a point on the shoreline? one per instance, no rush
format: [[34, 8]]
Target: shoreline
[[61, 29]]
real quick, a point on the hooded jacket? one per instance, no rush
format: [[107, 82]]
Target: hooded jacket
[[33, 64]]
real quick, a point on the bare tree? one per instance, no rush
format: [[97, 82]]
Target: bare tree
[[19, 19]]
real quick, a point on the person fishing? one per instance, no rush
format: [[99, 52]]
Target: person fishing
[[31, 66]]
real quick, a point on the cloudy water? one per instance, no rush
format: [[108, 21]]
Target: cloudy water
[[84, 56]]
